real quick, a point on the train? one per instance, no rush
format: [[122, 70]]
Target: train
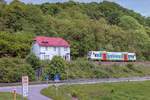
[[111, 56]]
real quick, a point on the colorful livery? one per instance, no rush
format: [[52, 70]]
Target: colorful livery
[[111, 56]]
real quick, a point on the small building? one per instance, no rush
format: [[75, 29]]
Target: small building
[[47, 47]]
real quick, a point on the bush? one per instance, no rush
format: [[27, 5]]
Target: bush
[[57, 66], [12, 69], [101, 74], [82, 68], [33, 61]]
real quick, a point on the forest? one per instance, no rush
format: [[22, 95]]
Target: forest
[[92, 26], [86, 26]]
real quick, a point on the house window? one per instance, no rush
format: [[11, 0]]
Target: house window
[[54, 48], [46, 48], [49, 48], [65, 49], [42, 48], [46, 56]]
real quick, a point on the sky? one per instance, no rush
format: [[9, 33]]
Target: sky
[[140, 6]]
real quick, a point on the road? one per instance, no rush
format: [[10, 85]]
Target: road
[[34, 90]]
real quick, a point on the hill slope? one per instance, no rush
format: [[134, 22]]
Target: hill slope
[[93, 26]]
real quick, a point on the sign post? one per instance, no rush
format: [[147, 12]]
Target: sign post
[[25, 82], [14, 92]]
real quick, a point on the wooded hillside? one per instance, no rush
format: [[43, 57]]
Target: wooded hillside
[[86, 26]]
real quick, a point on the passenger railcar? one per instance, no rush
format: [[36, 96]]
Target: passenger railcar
[[111, 56]]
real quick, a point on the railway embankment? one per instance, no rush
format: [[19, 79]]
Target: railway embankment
[[82, 68]]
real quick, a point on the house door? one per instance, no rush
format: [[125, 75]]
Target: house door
[[67, 57], [59, 51]]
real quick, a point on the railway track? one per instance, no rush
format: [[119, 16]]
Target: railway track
[[122, 63]]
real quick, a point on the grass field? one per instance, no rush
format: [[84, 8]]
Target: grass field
[[9, 96], [107, 91]]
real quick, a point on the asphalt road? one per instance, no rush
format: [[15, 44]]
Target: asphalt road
[[34, 90]]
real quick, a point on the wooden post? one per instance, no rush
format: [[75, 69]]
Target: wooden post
[[14, 94]]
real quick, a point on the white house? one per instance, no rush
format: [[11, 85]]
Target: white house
[[47, 47]]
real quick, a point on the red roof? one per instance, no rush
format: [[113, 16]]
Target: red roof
[[51, 41]]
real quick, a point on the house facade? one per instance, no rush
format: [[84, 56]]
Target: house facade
[[47, 47]]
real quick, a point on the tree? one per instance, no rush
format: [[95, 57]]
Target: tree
[[148, 21], [14, 16], [34, 61], [113, 18], [128, 22], [2, 2], [12, 69], [86, 26], [15, 45], [57, 66]]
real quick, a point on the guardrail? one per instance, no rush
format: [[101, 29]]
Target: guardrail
[[76, 81], [19, 83]]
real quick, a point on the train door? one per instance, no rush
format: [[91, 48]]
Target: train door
[[125, 57]]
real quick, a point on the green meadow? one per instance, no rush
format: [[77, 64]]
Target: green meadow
[[9, 96], [104, 91]]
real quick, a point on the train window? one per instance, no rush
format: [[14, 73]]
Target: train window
[[131, 56], [117, 56], [113, 56], [100, 55], [95, 55], [107, 56]]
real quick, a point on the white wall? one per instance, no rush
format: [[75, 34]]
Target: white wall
[[48, 52], [36, 49]]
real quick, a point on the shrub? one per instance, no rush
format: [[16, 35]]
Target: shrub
[[57, 66], [101, 74], [33, 61], [12, 69]]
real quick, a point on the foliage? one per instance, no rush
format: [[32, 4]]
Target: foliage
[[104, 91], [82, 68], [2, 2], [86, 26], [9, 96], [33, 61], [12, 70], [57, 66], [129, 22], [15, 45]]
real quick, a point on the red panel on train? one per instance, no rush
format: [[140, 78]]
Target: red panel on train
[[125, 57], [104, 56]]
